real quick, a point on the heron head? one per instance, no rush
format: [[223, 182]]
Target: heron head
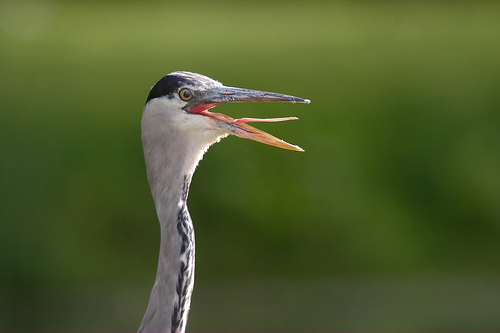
[[189, 96]]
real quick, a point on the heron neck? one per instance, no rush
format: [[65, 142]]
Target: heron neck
[[171, 294]]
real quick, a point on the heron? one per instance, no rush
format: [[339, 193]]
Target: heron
[[177, 128]]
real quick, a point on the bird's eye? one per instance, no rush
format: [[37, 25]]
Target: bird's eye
[[185, 94]]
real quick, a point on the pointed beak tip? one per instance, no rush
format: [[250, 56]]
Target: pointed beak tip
[[289, 146], [299, 100]]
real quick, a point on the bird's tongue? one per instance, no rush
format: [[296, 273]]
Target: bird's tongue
[[262, 120], [239, 127]]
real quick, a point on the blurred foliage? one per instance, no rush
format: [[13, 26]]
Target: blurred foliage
[[389, 221]]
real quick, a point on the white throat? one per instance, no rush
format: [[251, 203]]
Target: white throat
[[174, 142]]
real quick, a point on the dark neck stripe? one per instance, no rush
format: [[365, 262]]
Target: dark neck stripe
[[185, 276]]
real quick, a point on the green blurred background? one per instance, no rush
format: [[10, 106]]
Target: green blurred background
[[390, 221]]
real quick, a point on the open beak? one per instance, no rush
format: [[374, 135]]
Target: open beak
[[205, 100]]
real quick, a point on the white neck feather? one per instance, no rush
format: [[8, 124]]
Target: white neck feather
[[174, 142]]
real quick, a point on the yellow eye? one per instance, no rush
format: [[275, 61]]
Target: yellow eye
[[185, 94]]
